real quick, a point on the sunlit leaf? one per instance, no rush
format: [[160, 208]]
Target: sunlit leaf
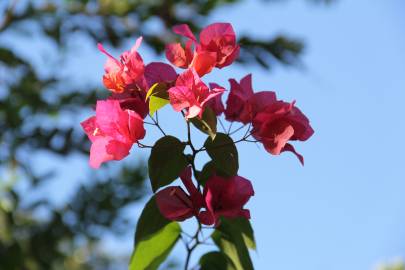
[[154, 238], [231, 241], [158, 97]]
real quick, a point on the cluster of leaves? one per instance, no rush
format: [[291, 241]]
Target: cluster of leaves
[[156, 236]]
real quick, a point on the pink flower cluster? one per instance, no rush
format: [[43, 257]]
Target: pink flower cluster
[[275, 122], [118, 121], [222, 197]]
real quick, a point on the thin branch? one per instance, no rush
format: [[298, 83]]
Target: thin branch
[[157, 124], [229, 128], [222, 125], [236, 130], [191, 249]]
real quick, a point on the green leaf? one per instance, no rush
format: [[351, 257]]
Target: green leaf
[[156, 103], [207, 171], [231, 241], [158, 90], [155, 237], [166, 161], [223, 153], [158, 97], [208, 122], [216, 260], [245, 228]]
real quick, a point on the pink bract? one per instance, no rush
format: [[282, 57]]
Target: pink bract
[[226, 197], [175, 204], [280, 123], [243, 104], [127, 72], [191, 94], [112, 132], [217, 48]]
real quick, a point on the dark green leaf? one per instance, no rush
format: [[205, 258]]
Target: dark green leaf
[[223, 153], [154, 238], [166, 161], [216, 260], [231, 241], [207, 171], [208, 122]]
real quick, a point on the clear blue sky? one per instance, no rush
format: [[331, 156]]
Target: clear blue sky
[[346, 208]]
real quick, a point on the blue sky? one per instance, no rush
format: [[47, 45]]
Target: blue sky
[[346, 208]]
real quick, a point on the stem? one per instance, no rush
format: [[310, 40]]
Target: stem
[[193, 150], [236, 130], [222, 125], [243, 139], [229, 128], [191, 249], [157, 124]]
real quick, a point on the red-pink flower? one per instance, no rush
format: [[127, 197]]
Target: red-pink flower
[[279, 123], [217, 48], [216, 103], [175, 204], [220, 38], [157, 72], [243, 104], [191, 94], [127, 72], [222, 197], [225, 197], [135, 98], [112, 132]]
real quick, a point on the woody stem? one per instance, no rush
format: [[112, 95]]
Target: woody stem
[[190, 249], [156, 123], [194, 151]]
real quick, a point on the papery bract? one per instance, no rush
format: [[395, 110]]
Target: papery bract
[[216, 103], [175, 204], [225, 197], [157, 72], [279, 123], [239, 94], [243, 104], [127, 72], [217, 48], [191, 94], [220, 38], [133, 100], [112, 132]]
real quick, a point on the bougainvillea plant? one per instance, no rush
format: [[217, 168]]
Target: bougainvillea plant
[[214, 195]]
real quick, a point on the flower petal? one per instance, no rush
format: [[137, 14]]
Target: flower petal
[[184, 30], [174, 203]]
